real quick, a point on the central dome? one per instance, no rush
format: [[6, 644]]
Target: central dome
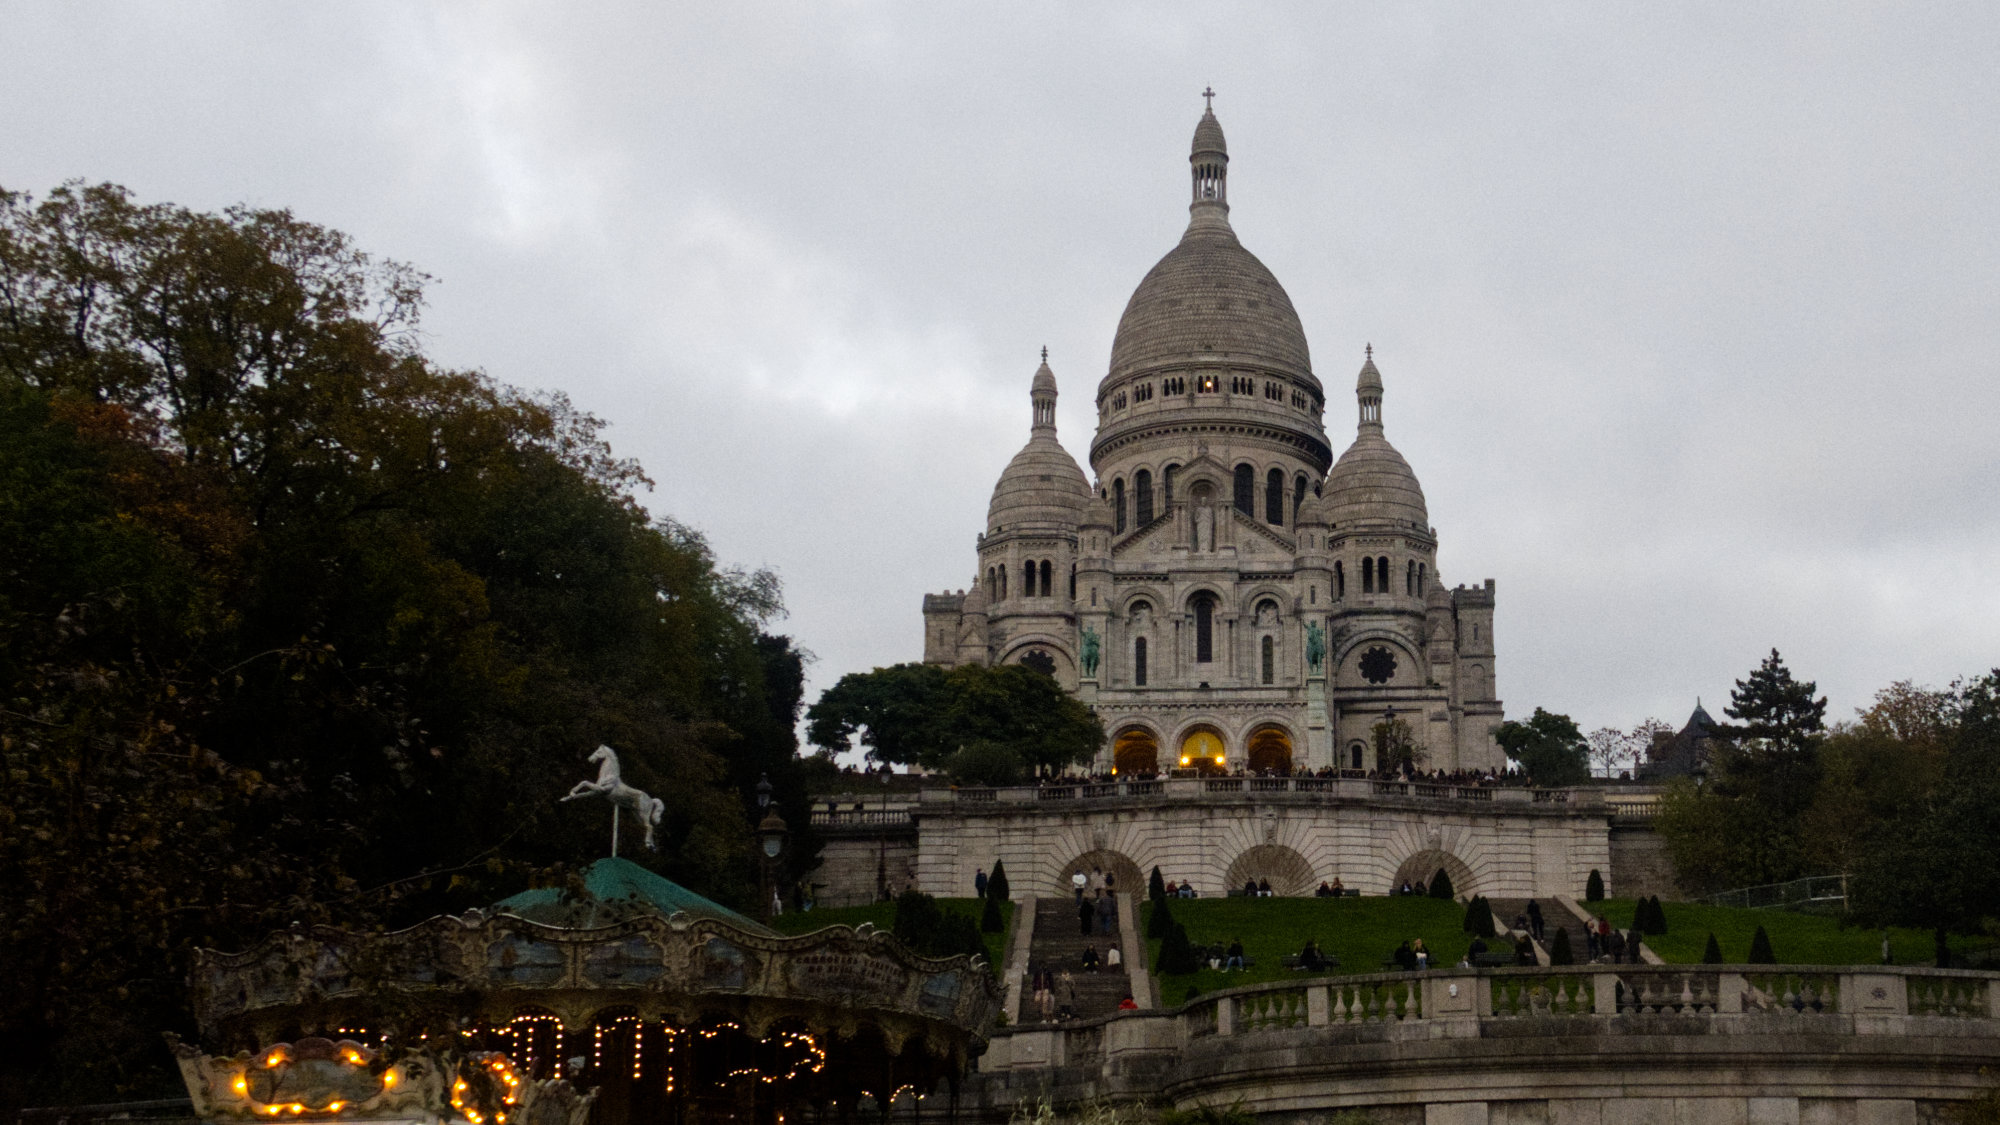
[[1209, 299]]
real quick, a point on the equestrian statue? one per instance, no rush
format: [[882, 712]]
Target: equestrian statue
[[649, 809]]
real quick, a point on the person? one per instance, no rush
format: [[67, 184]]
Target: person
[[979, 883], [1535, 919], [1338, 889], [1524, 951], [1603, 932], [1263, 888], [1096, 879], [1310, 959], [1423, 955], [1107, 912], [1235, 955], [1127, 1004], [1089, 958], [1111, 883], [1632, 944], [1419, 890], [1477, 947], [1066, 996], [1078, 880], [1616, 947], [1405, 957], [1173, 889], [1085, 913], [1187, 890], [1250, 888], [1405, 888], [1045, 994], [1522, 925], [1324, 891], [1113, 958], [1590, 940]]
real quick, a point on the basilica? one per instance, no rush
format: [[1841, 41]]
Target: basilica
[[1227, 595]]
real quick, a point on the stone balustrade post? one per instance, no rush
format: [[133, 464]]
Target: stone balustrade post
[[1452, 997], [1225, 1016], [1729, 993], [1604, 989], [1874, 994], [1318, 1009]]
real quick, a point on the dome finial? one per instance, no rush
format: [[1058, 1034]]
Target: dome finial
[[1045, 353], [1368, 390], [1208, 99], [1042, 395]]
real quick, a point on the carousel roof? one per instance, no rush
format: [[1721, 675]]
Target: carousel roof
[[618, 889]]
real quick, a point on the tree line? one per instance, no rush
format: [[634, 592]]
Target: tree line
[[299, 625]]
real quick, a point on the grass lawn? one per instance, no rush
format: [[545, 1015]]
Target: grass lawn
[[1362, 932], [883, 915], [1797, 939]]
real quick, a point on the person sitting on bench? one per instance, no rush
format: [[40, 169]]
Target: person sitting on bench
[[1235, 954], [1310, 959]]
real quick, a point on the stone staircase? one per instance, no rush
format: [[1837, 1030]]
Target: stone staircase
[[1506, 910], [1057, 945]]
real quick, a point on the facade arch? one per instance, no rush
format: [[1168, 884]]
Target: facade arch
[[1201, 745], [1019, 650], [1424, 865], [1128, 604], [1268, 749], [1126, 878], [1290, 874], [1135, 751], [1378, 658], [1246, 603]]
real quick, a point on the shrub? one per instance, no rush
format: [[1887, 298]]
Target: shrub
[[989, 917], [1441, 886], [1177, 954], [1559, 951], [1593, 890], [1761, 952], [1479, 918], [1156, 887], [1711, 954], [930, 931], [996, 884], [1658, 922], [1160, 920]]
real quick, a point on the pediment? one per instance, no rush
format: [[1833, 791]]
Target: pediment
[[1154, 538], [1261, 534]]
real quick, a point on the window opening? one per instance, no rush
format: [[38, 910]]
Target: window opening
[[1269, 662], [1139, 662], [1142, 488], [1118, 503], [1246, 490], [1204, 629], [1048, 586], [1274, 497]]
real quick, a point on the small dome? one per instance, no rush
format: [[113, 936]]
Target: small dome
[[1371, 483], [1045, 380], [1041, 486], [1208, 136]]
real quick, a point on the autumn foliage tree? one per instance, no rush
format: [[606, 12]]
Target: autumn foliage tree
[[297, 625]]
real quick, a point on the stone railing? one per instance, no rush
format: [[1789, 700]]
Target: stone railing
[[861, 819], [1279, 788]]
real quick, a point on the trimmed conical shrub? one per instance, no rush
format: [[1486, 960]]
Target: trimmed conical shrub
[[1559, 953], [1593, 889], [1159, 919], [1441, 886], [1156, 887], [1177, 954], [1711, 954], [1479, 918], [989, 917], [996, 885], [1761, 952], [1659, 919]]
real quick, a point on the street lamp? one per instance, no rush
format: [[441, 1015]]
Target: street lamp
[[763, 792], [771, 832]]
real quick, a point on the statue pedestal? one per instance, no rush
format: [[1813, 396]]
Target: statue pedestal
[[1319, 733]]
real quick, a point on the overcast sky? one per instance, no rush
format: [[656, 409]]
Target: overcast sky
[[1689, 315]]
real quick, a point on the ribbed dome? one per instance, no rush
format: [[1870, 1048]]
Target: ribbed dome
[[1208, 136], [1210, 299], [1371, 483], [1042, 486]]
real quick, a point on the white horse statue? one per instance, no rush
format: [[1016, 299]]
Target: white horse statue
[[649, 809]]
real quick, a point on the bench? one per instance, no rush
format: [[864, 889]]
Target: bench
[[1492, 960], [1326, 961]]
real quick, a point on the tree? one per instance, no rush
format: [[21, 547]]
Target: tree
[[1160, 919], [1593, 888], [1613, 751], [1440, 885], [990, 920], [1656, 917], [1177, 955], [1479, 918], [919, 714], [1156, 886], [996, 883], [1711, 954], [1549, 747], [1775, 710], [1395, 745], [1760, 949], [1559, 950]]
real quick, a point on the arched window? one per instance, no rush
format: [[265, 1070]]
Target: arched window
[[1246, 490], [1421, 577], [1204, 628], [1382, 574], [1167, 484], [1003, 580], [1298, 495], [1072, 586], [1048, 586], [1270, 663], [1028, 579], [1142, 499], [1274, 497], [1354, 756], [992, 584], [1118, 504], [1410, 577], [1339, 581], [1367, 575], [1139, 662]]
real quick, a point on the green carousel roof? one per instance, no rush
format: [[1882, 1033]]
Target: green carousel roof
[[619, 889]]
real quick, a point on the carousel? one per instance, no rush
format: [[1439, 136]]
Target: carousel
[[631, 1001]]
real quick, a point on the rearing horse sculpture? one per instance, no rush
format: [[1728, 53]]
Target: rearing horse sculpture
[[649, 809]]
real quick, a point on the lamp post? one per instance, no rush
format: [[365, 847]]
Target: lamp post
[[771, 833]]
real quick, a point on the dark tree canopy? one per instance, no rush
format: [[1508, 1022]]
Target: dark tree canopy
[[1549, 747], [296, 625], [1775, 710], [982, 721]]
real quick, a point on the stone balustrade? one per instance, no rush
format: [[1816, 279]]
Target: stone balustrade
[[1305, 789], [1730, 1043]]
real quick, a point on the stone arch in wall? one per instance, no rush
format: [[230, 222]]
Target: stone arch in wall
[[1291, 875], [1126, 876], [1269, 748], [1135, 751], [1425, 864]]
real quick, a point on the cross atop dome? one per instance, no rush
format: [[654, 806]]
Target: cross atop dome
[[1208, 99]]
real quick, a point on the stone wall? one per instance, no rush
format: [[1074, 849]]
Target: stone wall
[[848, 864], [1640, 864], [1508, 843]]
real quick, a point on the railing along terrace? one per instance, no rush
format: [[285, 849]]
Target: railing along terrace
[[860, 818], [1323, 788]]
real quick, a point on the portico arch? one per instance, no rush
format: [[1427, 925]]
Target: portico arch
[[1424, 866], [1269, 748], [1203, 748], [1289, 873], [1135, 752], [1126, 876]]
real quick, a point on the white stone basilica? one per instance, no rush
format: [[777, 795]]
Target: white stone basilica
[[1227, 595]]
